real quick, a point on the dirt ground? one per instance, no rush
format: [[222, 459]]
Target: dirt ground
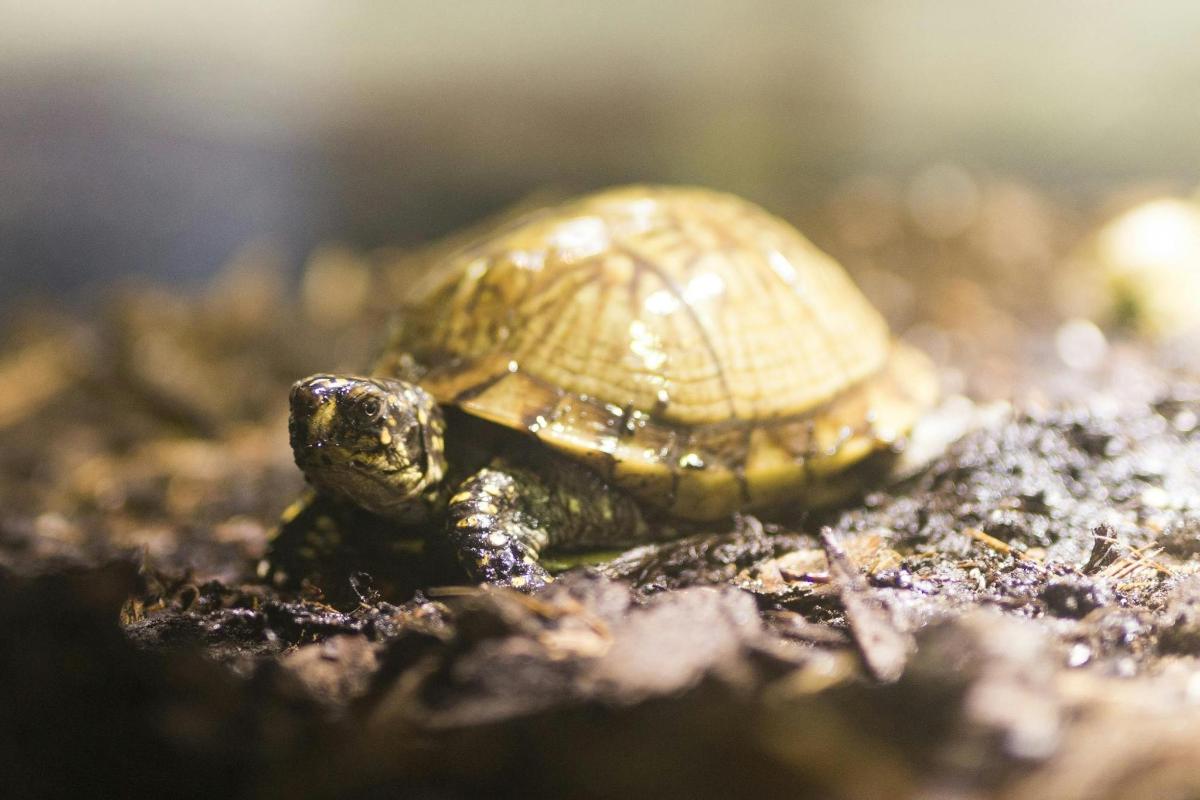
[[1018, 618]]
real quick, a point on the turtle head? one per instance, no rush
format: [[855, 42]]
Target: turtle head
[[375, 442]]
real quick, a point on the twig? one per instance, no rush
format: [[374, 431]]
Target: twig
[[883, 648]]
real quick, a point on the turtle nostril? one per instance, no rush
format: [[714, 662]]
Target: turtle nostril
[[301, 400], [305, 395]]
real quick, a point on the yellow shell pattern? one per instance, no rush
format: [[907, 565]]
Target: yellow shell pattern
[[696, 350]]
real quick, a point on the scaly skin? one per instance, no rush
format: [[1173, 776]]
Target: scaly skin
[[503, 517], [389, 467]]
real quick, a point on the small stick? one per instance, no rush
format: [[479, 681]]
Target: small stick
[[991, 541], [883, 648]]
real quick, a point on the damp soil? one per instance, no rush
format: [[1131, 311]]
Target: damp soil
[[1017, 618]]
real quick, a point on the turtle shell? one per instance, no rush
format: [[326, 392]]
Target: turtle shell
[[693, 348]]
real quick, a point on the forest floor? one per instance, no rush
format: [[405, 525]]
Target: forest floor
[[1019, 618]]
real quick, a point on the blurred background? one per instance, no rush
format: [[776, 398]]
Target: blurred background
[[202, 202], [157, 139]]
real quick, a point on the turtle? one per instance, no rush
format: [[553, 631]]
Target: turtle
[[615, 369]]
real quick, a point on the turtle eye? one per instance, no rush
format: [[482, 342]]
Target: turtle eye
[[368, 410]]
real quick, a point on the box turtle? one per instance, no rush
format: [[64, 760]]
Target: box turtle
[[611, 370]]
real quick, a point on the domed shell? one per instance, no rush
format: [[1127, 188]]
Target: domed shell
[[695, 349]]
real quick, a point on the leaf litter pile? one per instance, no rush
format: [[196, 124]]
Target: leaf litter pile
[[1018, 618]]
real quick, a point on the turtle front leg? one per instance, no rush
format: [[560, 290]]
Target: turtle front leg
[[504, 516], [496, 540], [309, 533], [322, 544]]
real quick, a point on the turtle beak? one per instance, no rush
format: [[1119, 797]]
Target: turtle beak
[[313, 402], [309, 393]]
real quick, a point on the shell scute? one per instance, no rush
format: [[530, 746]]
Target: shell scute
[[719, 329]]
